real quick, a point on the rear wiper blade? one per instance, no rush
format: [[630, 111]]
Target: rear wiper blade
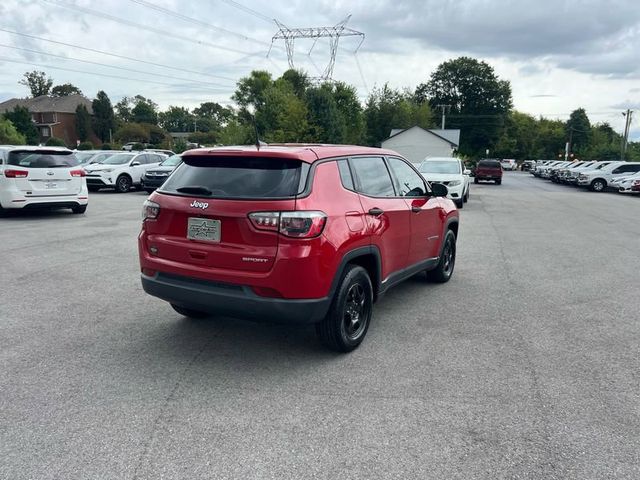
[[195, 190]]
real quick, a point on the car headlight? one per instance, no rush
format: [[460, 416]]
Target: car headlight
[[454, 183]]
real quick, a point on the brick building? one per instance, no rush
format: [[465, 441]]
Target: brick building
[[53, 116]]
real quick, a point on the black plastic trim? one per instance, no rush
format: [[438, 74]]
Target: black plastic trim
[[401, 275]]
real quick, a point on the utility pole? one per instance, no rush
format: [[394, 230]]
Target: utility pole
[[444, 108], [625, 137]]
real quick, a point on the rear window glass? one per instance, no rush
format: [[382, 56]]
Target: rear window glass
[[489, 164], [239, 177], [43, 159]]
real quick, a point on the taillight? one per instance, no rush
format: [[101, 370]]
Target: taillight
[[16, 173], [303, 224], [150, 210], [78, 173]]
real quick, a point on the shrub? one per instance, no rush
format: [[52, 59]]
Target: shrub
[[137, 146], [106, 146], [55, 142], [85, 146]]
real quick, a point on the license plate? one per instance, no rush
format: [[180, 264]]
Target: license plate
[[49, 185], [204, 229]]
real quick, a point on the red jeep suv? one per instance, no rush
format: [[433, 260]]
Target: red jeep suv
[[294, 233]]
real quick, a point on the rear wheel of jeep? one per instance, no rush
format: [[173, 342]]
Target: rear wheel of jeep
[[188, 312], [347, 321]]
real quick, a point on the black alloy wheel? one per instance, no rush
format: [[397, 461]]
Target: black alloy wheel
[[123, 184]]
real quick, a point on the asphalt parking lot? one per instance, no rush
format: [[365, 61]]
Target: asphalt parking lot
[[525, 365]]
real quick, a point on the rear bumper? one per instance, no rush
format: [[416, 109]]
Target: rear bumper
[[233, 300], [15, 200]]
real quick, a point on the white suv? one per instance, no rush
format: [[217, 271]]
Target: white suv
[[448, 171], [598, 180], [41, 177], [121, 170]]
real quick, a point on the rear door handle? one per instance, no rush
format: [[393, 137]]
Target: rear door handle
[[376, 212], [416, 209]]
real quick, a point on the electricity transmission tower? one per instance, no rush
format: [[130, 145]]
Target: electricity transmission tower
[[290, 35]]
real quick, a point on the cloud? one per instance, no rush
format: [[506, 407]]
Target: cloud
[[633, 105]]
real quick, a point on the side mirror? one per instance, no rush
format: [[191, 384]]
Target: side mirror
[[135, 163], [466, 172], [439, 190]]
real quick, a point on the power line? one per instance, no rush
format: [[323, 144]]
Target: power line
[[40, 52], [11, 60], [115, 55], [158, 31], [248, 10], [196, 21]]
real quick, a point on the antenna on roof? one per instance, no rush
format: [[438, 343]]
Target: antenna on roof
[[259, 143]]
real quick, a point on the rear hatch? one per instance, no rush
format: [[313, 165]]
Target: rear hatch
[[205, 206], [46, 172], [489, 168]]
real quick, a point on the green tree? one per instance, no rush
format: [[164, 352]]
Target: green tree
[[250, 95], [144, 110], [236, 133], [37, 82], [388, 108], [55, 142], [298, 80], [132, 132], [283, 116], [326, 123], [83, 122], [176, 119], [21, 120], [478, 100], [123, 110], [8, 133], [103, 117], [578, 131], [350, 109], [65, 90], [211, 116], [518, 137]]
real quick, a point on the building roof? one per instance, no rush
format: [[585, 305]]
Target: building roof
[[45, 103], [452, 136]]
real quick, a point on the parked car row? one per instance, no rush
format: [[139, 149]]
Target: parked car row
[[621, 176]]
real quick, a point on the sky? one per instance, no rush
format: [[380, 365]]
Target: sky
[[559, 55]]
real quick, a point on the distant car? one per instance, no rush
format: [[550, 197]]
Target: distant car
[[155, 177], [528, 165], [41, 177], [626, 184], [121, 171], [450, 172], [89, 157], [508, 164], [490, 170]]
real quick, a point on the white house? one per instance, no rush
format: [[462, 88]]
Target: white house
[[416, 143]]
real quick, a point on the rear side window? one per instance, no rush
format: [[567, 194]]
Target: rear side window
[[373, 177], [43, 159], [239, 177], [489, 164], [345, 175]]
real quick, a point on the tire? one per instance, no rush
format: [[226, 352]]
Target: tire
[[348, 318], [188, 312], [466, 196], [460, 203], [443, 271], [598, 185], [498, 182], [93, 188], [475, 180], [79, 209], [3, 212], [123, 184]]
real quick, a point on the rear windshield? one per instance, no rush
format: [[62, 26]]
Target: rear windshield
[[489, 164], [43, 159], [233, 177], [435, 166]]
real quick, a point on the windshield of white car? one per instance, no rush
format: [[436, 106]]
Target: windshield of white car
[[172, 161], [434, 166], [117, 159]]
